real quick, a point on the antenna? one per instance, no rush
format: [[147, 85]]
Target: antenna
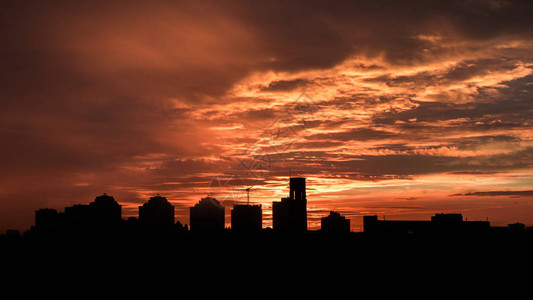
[[248, 195]]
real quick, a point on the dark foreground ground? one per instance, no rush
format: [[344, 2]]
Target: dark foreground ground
[[271, 251], [229, 266], [268, 265]]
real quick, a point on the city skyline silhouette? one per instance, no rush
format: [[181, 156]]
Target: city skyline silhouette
[[103, 217], [95, 235], [236, 132]]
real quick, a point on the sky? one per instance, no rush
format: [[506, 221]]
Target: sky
[[400, 109]]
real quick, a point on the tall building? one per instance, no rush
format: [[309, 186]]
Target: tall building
[[335, 223], [290, 214], [157, 213], [208, 215], [246, 218]]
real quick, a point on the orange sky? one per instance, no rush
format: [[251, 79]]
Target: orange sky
[[402, 109]]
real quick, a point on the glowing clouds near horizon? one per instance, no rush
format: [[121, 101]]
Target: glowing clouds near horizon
[[401, 132]]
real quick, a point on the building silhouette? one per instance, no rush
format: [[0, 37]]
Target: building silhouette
[[106, 209], [246, 218], [45, 218], [79, 215], [208, 215], [157, 214], [443, 224], [101, 216], [13, 233], [335, 223], [516, 227], [290, 214]]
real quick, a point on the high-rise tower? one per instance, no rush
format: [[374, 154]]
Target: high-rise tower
[[291, 213], [157, 213], [297, 189], [208, 215]]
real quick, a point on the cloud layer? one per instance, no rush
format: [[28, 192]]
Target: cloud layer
[[375, 102]]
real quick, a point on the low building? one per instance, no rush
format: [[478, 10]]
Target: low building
[[448, 224], [246, 218], [335, 223], [45, 218], [516, 227]]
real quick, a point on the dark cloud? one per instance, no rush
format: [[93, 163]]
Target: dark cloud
[[509, 108], [285, 85], [316, 145], [391, 166], [260, 114], [315, 35], [470, 68], [357, 134], [463, 71], [475, 172], [397, 165], [497, 193]]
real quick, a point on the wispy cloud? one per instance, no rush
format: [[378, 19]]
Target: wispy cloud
[[497, 194]]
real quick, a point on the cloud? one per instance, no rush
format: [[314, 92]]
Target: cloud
[[497, 194], [358, 134], [285, 85], [162, 96]]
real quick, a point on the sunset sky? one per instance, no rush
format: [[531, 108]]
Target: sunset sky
[[400, 109]]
